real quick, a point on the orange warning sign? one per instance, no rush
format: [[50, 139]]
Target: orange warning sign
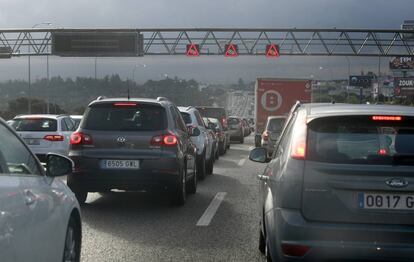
[[193, 50], [232, 50], [272, 50]]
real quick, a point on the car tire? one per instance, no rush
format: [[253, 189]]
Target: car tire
[[80, 193], [179, 192], [222, 148], [192, 184], [241, 139], [72, 247], [210, 165], [217, 155], [201, 167], [262, 242]]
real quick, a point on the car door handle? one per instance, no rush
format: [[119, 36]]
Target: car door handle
[[263, 178], [29, 197]]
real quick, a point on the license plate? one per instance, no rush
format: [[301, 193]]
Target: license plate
[[386, 201], [120, 164], [30, 141]]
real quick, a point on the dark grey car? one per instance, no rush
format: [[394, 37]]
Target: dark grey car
[[136, 144], [340, 185]]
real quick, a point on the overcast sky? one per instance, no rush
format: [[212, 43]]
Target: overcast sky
[[197, 13]]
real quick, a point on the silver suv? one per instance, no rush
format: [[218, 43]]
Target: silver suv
[[45, 133], [340, 185], [133, 145], [204, 142]]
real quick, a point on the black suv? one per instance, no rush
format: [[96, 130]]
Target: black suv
[[133, 145]]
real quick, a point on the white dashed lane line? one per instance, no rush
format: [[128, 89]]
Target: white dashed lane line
[[241, 162], [211, 210]]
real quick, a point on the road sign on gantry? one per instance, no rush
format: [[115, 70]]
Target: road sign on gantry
[[193, 50], [272, 50], [232, 50]]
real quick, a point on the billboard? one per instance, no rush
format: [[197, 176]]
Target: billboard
[[402, 63], [92, 44], [360, 81], [404, 86]]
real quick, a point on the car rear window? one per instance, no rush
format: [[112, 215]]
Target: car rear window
[[135, 118], [233, 121], [361, 140], [34, 124], [186, 117], [276, 124], [212, 112]]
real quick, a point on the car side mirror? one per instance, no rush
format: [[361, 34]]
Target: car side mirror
[[259, 154], [57, 165], [194, 131]]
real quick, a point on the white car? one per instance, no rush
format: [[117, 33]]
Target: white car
[[45, 133], [39, 215]]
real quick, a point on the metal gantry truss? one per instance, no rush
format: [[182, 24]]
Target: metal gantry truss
[[251, 42]]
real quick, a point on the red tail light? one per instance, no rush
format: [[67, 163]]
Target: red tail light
[[265, 136], [164, 140], [79, 138], [54, 138], [125, 104], [294, 250], [383, 152], [298, 150], [386, 118], [224, 122]]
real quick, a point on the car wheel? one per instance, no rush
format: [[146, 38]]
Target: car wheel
[[80, 193], [71, 252], [201, 167], [180, 193], [192, 184], [222, 149], [241, 139], [217, 155], [210, 165], [262, 242]]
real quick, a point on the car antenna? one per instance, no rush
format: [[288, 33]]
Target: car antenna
[[128, 93]]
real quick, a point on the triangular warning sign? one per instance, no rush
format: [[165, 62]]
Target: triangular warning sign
[[272, 50], [231, 50], [193, 50]]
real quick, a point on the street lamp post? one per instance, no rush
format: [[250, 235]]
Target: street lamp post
[[29, 69]]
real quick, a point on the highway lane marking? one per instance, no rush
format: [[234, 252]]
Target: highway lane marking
[[211, 210], [241, 162]]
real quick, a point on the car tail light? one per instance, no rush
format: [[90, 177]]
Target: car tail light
[[265, 136], [387, 118], [164, 140], [54, 138], [383, 152], [224, 121], [294, 250], [125, 104], [79, 138], [298, 150]]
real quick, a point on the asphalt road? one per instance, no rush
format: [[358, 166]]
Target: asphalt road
[[145, 227]]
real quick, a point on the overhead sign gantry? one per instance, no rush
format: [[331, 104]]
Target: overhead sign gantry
[[207, 41]]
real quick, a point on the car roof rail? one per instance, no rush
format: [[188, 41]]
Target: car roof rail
[[61, 115], [161, 98], [101, 98]]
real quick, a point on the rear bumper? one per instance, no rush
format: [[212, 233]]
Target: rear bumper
[[235, 133], [153, 174], [338, 242]]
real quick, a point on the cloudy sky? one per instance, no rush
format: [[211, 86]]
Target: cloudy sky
[[197, 13]]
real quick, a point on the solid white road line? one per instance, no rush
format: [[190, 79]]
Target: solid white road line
[[211, 210], [241, 162]]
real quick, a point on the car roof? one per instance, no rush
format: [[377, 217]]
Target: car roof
[[186, 108], [47, 116], [137, 100], [276, 117], [320, 110]]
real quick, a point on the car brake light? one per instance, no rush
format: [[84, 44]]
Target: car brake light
[[298, 150], [294, 250], [79, 138], [125, 104], [54, 138], [383, 152], [164, 140], [265, 135], [224, 121], [387, 118]]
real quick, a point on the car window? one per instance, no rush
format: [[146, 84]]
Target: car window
[[200, 121], [136, 118], [70, 124], [180, 120], [16, 158], [233, 121], [186, 117], [64, 126], [284, 141], [361, 140], [34, 124], [275, 124]]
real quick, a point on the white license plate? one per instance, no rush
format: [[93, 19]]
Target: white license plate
[[386, 201], [120, 164]]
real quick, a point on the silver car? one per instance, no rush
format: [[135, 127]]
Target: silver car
[[340, 185], [270, 136]]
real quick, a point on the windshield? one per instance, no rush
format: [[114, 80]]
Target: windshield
[[108, 118], [360, 140], [233, 121], [35, 125]]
